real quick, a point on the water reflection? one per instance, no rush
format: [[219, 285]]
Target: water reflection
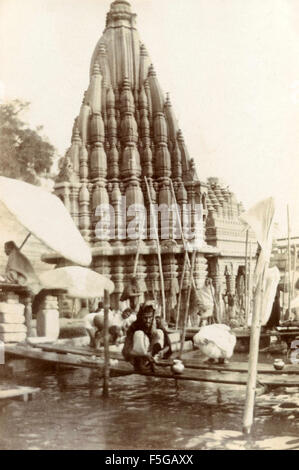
[[141, 413]]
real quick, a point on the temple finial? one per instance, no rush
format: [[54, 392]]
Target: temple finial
[[143, 50], [96, 69], [152, 72], [168, 102]]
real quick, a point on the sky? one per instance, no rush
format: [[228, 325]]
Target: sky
[[231, 68]]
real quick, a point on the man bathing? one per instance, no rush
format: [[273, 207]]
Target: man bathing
[[118, 323]]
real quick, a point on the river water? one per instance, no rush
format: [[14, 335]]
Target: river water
[[141, 413]]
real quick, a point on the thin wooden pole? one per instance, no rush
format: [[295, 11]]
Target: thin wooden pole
[[178, 215], [246, 275], [138, 249], [249, 289], [187, 305], [182, 233], [284, 289], [25, 240], [289, 262], [158, 250], [181, 289], [186, 254], [106, 344], [253, 357], [294, 271]]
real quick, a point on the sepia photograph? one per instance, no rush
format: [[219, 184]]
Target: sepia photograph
[[149, 227]]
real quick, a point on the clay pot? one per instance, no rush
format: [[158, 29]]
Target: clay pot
[[177, 366], [278, 364]]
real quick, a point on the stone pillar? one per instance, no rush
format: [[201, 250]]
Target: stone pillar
[[117, 276], [217, 273], [171, 284], [12, 319], [47, 320]]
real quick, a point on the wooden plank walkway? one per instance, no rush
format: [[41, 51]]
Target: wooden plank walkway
[[226, 377], [68, 359], [25, 393], [188, 362], [245, 333], [234, 373]]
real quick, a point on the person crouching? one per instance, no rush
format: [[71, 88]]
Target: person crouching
[[94, 324], [145, 342]]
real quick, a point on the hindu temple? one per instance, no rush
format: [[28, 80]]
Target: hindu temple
[[126, 143]]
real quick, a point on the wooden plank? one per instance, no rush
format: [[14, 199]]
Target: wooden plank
[[240, 367], [241, 333], [213, 374], [225, 377], [233, 378], [80, 351], [189, 363], [283, 332], [18, 392], [282, 380], [67, 359], [87, 351]]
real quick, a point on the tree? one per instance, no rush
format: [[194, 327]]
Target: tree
[[24, 153]]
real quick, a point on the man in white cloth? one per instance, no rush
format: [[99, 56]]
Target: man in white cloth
[[206, 301]]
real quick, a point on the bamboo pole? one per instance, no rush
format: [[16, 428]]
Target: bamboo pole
[[253, 357], [187, 305], [249, 288], [106, 344], [138, 249], [284, 289], [186, 259], [158, 250], [182, 233], [25, 240], [246, 276], [294, 271], [289, 261], [181, 289]]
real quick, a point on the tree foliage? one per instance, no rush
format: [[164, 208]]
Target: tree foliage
[[24, 153]]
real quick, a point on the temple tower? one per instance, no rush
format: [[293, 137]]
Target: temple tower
[[126, 130]]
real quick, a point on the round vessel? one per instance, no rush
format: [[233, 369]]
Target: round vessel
[[278, 364], [177, 366]]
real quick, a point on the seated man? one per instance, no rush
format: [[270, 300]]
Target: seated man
[[19, 270], [144, 340]]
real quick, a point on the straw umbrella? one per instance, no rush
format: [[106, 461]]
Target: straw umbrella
[[44, 216], [84, 283]]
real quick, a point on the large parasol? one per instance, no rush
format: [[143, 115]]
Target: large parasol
[[44, 216], [79, 282]]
